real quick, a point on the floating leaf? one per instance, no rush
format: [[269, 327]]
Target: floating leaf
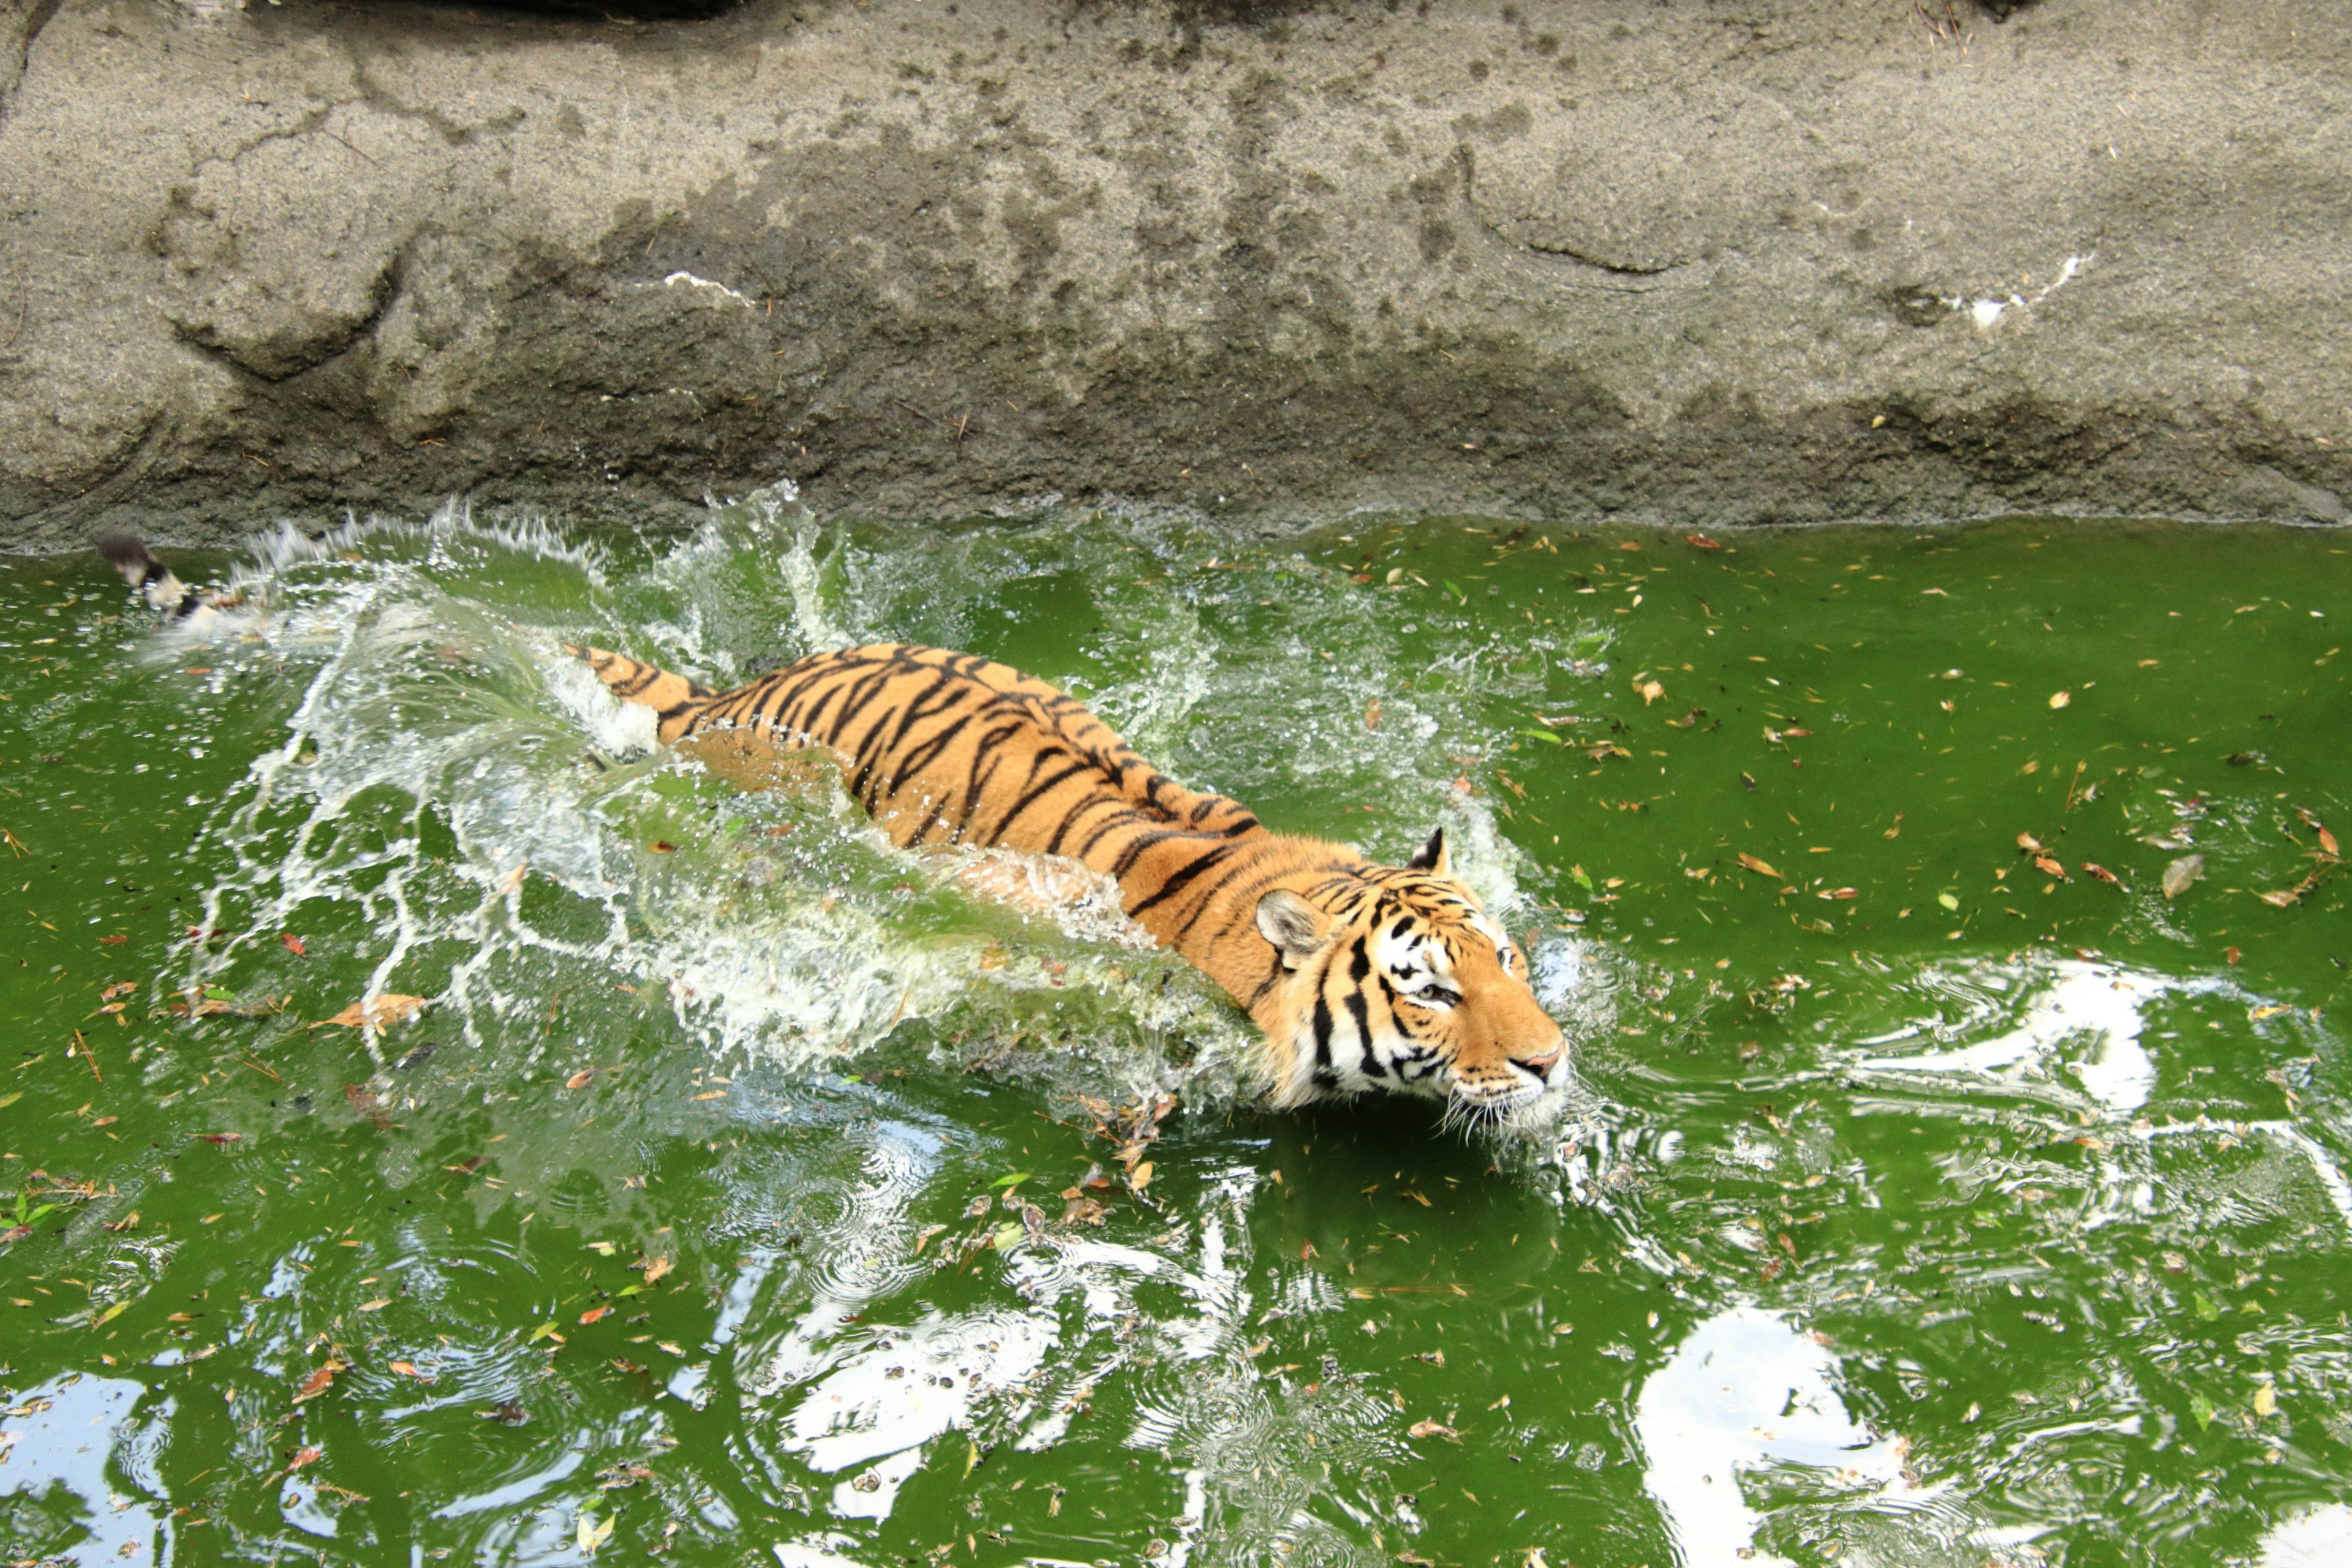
[[1760, 867], [1013, 1180], [593, 1533], [580, 1078], [1651, 690], [656, 1268], [1372, 714], [318, 1381], [2048, 867], [2328, 843], [2181, 873], [2031, 845], [545, 1330], [2060, 698], [1700, 541], [379, 1012], [1949, 901], [1544, 735], [662, 847], [1838, 893], [302, 1456], [291, 942], [2204, 1409], [1140, 1177], [378, 1305], [2266, 1399], [1431, 1429], [11, 1098], [2282, 898], [594, 1314], [2092, 868]]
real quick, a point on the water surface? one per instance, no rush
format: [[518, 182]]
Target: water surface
[[743, 1188]]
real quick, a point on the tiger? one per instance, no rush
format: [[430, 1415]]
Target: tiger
[[1359, 978]]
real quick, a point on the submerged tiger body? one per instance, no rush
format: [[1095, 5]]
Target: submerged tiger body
[[1361, 976]]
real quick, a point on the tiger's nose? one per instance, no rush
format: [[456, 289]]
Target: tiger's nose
[[1542, 1062]]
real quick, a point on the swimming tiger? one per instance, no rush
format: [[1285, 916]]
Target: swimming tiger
[[1361, 976]]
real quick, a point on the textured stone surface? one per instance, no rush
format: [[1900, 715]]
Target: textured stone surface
[[1692, 262]]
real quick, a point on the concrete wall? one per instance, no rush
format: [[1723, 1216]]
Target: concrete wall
[[1698, 261]]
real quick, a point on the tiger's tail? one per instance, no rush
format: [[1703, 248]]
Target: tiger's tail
[[675, 700], [164, 593]]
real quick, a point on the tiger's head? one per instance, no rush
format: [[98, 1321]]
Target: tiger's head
[[1394, 979]]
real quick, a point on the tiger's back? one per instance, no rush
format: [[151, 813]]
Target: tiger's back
[[946, 748]]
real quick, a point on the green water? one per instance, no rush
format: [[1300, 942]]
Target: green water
[[714, 1194]]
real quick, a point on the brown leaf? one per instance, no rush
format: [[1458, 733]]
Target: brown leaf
[[1651, 690], [221, 1136], [1372, 714], [379, 1012], [1839, 893], [580, 1079], [2181, 873], [2231, 955], [2092, 868], [405, 1369], [1083, 1211], [1431, 1429], [469, 1167], [112, 941], [594, 1314], [656, 1268], [1700, 541], [363, 1102], [291, 942], [302, 1456], [2031, 845], [1760, 867], [2327, 842], [1140, 1177], [2048, 867], [2282, 898], [317, 1383], [15, 1233], [662, 847]]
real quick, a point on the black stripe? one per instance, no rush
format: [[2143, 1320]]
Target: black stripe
[[1356, 1008], [1177, 879], [1034, 793], [1207, 898], [921, 757]]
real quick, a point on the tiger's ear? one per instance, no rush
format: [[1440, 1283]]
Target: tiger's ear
[[1292, 925], [1432, 857]]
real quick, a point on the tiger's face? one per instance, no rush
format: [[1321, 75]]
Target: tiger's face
[[1409, 987]]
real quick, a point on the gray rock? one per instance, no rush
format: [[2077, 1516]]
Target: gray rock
[[1695, 264]]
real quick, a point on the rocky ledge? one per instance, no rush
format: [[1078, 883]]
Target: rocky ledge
[[1692, 261]]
